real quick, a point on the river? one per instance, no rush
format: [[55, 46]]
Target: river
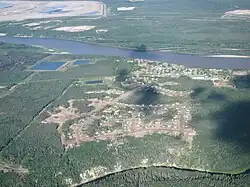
[[187, 60]]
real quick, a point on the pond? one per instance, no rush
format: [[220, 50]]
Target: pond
[[47, 66], [51, 10], [94, 82], [90, 13], [80, 62], [5, 5]]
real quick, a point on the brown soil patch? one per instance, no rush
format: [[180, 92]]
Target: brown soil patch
[[222, 83], [130, 126], [5, 168], [63, 114]]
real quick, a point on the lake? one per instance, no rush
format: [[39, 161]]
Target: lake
[[82, 48]]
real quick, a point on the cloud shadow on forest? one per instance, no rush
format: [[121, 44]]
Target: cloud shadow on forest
[[197, 91], [233, 124], [203, 94], [121, 75], [147, 95], [242, 82], [232, 120]]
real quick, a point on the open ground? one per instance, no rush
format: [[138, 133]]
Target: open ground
[[20, 10]]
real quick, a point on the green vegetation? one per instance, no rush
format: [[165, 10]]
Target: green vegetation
[[12, 179], [18, 57], [180, 26], [219, 116], [161, 177], [10, 78], [20, 107]]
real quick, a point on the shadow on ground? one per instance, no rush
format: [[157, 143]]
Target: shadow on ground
[[233, 124], [231, 117], [197, 92], [147, 95], [233, 120], [203, 94], [121, 75], [242, 81]]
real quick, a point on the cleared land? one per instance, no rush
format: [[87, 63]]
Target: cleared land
[[237, 13], [230, 56], [75, 29], [20, 10], [6, 168]]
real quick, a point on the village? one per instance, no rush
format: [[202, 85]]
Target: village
[[118, 114], [153, 98]]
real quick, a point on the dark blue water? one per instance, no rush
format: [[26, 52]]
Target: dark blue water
[[90, 13], [94, 82], [52, 10], [187, 60], [80, 62], [47, 66]]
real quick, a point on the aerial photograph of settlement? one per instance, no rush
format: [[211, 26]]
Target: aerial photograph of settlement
[[125, 93]]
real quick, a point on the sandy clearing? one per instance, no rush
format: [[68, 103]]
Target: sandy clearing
[[75, 28], [235, 49], [32, 24], [8, 168], [98, 31], [38, 24], [238, 12], [63, 114], [48, 9], [23, 36], [125, 8], [229, 56]]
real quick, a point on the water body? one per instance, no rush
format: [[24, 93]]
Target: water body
[[187, 60], [5, 5], [90, 13], [47, 66], [94, 82], [81, 62], [51, 10]]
